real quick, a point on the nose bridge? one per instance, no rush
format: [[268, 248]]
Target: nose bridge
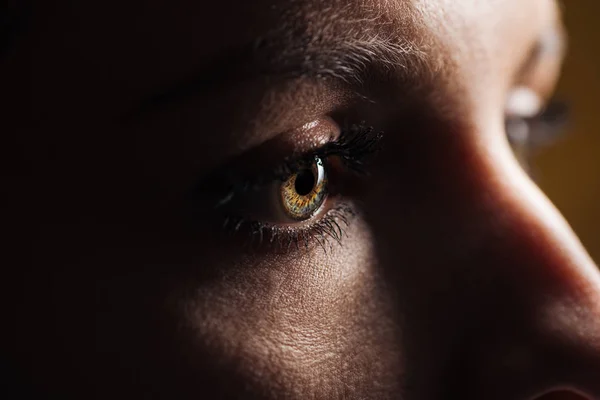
[[542, 322]]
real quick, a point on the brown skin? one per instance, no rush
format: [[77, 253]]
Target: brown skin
[[456, 279]]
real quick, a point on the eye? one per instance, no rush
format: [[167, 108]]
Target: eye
[[305, 191], [531, 125], [304, 198], [531, 121]]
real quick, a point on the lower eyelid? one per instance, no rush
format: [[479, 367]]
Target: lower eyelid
[[324, 230]]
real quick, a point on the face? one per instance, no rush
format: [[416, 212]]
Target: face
[[288, 199]]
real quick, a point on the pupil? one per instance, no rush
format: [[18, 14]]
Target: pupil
[[305, 181]]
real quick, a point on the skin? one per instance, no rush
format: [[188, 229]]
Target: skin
[[456, 279]]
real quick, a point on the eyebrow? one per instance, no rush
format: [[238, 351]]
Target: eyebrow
[[348, 60]]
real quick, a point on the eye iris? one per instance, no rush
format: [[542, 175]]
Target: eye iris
[[305, 191]]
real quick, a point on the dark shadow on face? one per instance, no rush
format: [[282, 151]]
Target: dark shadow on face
[[453, 278]]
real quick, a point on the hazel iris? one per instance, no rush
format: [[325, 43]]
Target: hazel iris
[[305, 191]]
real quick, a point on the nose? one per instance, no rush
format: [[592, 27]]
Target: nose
[[499, 299], [541, 329]]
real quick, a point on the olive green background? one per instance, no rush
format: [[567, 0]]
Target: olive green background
[[569, 172]]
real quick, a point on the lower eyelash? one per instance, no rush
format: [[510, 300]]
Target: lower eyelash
[[330, 229]]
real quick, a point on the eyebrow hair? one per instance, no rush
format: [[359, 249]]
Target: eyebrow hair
[[346, 60]]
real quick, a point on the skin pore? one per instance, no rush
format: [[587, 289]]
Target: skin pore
[[454, 276]]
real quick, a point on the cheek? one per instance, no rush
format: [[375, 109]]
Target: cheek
[[310, 317]]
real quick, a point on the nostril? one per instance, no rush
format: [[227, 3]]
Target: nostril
[[563, 395]]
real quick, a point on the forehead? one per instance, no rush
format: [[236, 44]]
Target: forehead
[[155, 39], [106, 56], [94, 61]]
